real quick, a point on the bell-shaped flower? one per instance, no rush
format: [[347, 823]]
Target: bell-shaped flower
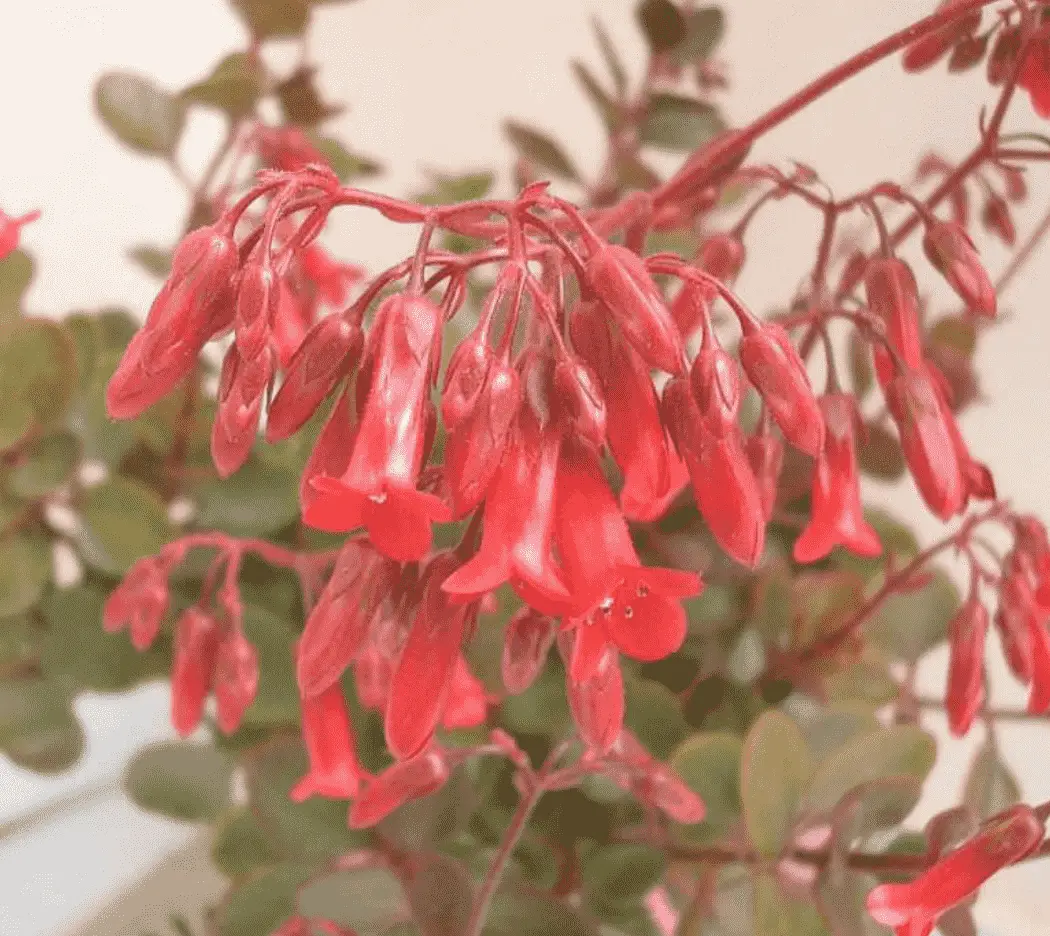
[[965, 693], [378, 489], [516, 540], [424, 671], [619, 601], [338, 624], [777, 372], [634, 430], [328, 733], [837, 516], [527, 641], [926, 439], [725, 488], [912, 909], [620, 280]]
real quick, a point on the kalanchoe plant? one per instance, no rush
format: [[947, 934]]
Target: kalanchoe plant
[[527, 585]]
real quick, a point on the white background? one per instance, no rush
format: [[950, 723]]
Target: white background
[[428, 83]]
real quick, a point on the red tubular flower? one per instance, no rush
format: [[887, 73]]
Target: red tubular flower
[[726, 491], [420, 684], [519, 520], [965, 693], [378, 488], [618, 600], [11, 231], [193, 663], [526, 643], [926, 438], [634, 430], [597, 703], [776, 370], [405, 780], [195, 303], [477, 440], [949, 248], [373, 670], [329, 737], [236, 680], [913, 908], [1039, 696], [328, 353], [837, 515], [722, 255], [620, 280], [242, 386], [139, 603], [338, 624], [894, 297], [331, 452]]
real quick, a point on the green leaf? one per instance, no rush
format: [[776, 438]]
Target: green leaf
[[139, 113], [680, 124], [827, 728], [620, 875], [241, 845], [908, 625], [181, 779], [448, 189], [879, 453], [259, 499], [540, 149], [348, 166], [775, 769], [520, 914], [274, 19], [314, 828], [709, 764], [843, 899], [50, 749], [76, 647], [31, 706], [900, 750], [25, 569], [104, 439], [365, 900], [234, 86], [260, 905], [779, 915], [122, 521], [663, 24], [301, 101], [16, 421], [154, 260], [612, 58], [956, 332], [704, 30], [541, 709], [49, 465], [17, 270], [440, 895], [874, 807], [654, 714], [277, 699], [37, 366], [990, 785], [861, 370]]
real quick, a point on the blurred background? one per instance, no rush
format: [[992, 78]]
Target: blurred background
[[428, 83]]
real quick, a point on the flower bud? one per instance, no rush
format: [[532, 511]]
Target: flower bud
[[777, 372], [243, 384], [11, 230], [330, 743], [949, 248], [139, 602], [258, 294], [965, 693], [404, 780], [715, 382], [236, 680], [929, 49], [997, 220], [1003, 57], [327, 354], [927, 442], [1035, 76], [193, 662], [765, 454], [578, 401], [621, 281], [722, 255], [596, 704], [465, 377], [894, 297], [526, 643]]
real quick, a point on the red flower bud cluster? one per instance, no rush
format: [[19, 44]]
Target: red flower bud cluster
[[11, 231]]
